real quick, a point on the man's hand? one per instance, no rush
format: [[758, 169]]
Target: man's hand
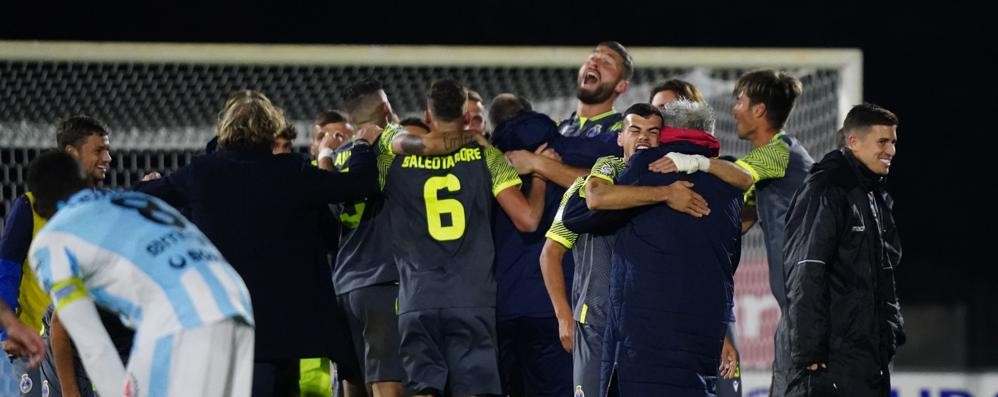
[[814, 367], [152, 176], [680, 196], [22, 341], [369, 133], [729, 360], [544, 151], [522, 160], [663, 165], [566, 331]]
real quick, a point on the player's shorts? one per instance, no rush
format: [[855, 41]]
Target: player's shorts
[[50, 381], [212, 360], [29, 381], [373, 323], [452, 350], [531, 358], [587, 353]]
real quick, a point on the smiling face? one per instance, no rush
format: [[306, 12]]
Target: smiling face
[[875, 147], [639, 133], [600, 76], [747, 116], [94, 156]]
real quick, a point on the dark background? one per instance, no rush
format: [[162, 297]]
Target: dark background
[[932, 63]]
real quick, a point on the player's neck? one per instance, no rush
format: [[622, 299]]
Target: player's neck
[[448, 128], [763, 136], [590, 110]]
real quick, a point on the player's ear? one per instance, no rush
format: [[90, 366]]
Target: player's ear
[[428, 118], [621, 86], [72, 151], [759, 110]]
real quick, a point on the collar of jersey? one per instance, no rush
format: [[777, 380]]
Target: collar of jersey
[[583, 120], [777, 136]]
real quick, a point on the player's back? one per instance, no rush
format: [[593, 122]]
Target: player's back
[[139, 257], [440, 210]]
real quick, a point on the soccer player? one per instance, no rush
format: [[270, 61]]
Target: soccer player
[[779, 163], [442, 205], [531, 355], [330, 122], [88, 141], [673, 89], [365, 276], [581, 322], [671, 274], [843, 319], [285, 139], [191, 310], [479, 117]]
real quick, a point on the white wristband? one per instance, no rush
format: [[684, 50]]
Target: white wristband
[[325, 152], [689, 163]]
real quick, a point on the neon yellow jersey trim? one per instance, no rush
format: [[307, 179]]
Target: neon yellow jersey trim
[[68, 291]]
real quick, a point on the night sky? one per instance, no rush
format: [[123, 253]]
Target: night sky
[[932, 63]]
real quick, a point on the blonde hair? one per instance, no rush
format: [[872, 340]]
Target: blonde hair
[[249, 119]]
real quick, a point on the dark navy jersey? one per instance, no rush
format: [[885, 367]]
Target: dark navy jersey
[[589, 127], [521, 286], [365, 251], [440, 209]]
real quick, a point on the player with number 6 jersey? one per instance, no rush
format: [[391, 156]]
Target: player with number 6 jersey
[[441, 207]]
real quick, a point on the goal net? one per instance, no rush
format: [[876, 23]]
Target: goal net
[[162, 100]]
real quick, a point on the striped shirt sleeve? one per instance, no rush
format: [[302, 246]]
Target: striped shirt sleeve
[[767, 162], [503, 174], [558, 232]]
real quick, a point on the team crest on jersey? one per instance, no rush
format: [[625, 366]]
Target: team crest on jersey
[[45, 388], [606, 169], [579, 392], [25, 384], [594, 130]]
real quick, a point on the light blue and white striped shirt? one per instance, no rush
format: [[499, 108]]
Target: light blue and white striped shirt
[[135, 255]]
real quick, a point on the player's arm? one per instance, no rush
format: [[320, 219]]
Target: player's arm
[[50, 260], [604, 195], [554, 281], [62, 355], [560, 173], [336, 187], [92, 341], [724, 170], [14, 243], [170, 188], [525, 212], [21, 339]]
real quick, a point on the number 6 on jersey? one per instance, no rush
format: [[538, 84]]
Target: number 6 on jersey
[[436, 208]]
